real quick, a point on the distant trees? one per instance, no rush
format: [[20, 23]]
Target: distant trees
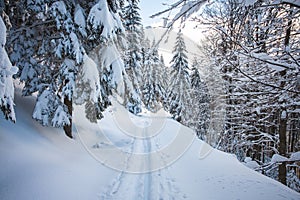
[[71, 52]]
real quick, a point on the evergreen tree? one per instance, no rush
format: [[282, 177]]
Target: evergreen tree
[[145, 44], [178, 93], [48, 55], [105, 52], [152, 90], [6, 80], [200, 98], [61, 54], [133, 57], [165, 76]]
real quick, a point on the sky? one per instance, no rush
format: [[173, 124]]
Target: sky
[[150, 7]]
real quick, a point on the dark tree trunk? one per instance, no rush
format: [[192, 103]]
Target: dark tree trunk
[[282, 146], [282, 172], [68, 128]]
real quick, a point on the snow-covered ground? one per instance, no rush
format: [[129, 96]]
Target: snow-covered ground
[[122, 157]]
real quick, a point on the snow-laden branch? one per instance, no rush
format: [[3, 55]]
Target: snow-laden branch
[[294, 3], [279, 159], [260, 82], [187, 9]]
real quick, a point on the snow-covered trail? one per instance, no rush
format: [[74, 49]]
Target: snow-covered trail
[[147, 168], [142, 184], [113, 162]]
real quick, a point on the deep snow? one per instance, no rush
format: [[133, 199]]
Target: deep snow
[[41, 163]]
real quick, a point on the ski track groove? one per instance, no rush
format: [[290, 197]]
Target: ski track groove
[[116, 183], [147, 175], [144, 183]]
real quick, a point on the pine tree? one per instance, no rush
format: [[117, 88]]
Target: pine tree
[[152, 90], [178, 93], [106, 35], [133, 57], [48, 54], [200, 99], [56, 48], [164, 71]]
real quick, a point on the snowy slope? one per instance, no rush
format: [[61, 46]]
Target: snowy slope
[[41, 163]]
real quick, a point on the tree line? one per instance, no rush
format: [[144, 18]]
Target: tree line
[[81, 52]]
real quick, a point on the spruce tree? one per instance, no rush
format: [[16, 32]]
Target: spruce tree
[[133, 57], [200, 99], [164, 72], [152, 90], [105, 33], [48, 55], [178, 93], [61, 49]]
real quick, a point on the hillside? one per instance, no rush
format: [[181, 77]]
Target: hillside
[[121, 157]]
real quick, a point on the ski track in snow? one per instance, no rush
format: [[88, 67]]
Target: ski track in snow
[[167, 181], [147, 176], [156, 185], [41, 163], [118, 182]]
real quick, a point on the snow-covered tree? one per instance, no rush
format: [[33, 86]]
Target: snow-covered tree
[[6, 80], [164, 71], [200, 104], [64, 49], [152, 90], [106, 33], [178, 93], [48, 55], [256, 51], [133, 57]]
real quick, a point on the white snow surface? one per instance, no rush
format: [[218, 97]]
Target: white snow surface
[[295, 2], [111, 23], [90, 74], [2, 33], [252, 164], [79, 20], [6, 73], [295, 156], [41, 163], [278, 158]]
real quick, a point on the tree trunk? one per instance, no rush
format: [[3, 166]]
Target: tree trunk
[[283, 115], [282, 146], [68, 128]]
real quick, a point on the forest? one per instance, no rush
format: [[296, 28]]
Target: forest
[[241, 95]]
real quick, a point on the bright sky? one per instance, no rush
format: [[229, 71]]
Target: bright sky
[[150, 7]]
